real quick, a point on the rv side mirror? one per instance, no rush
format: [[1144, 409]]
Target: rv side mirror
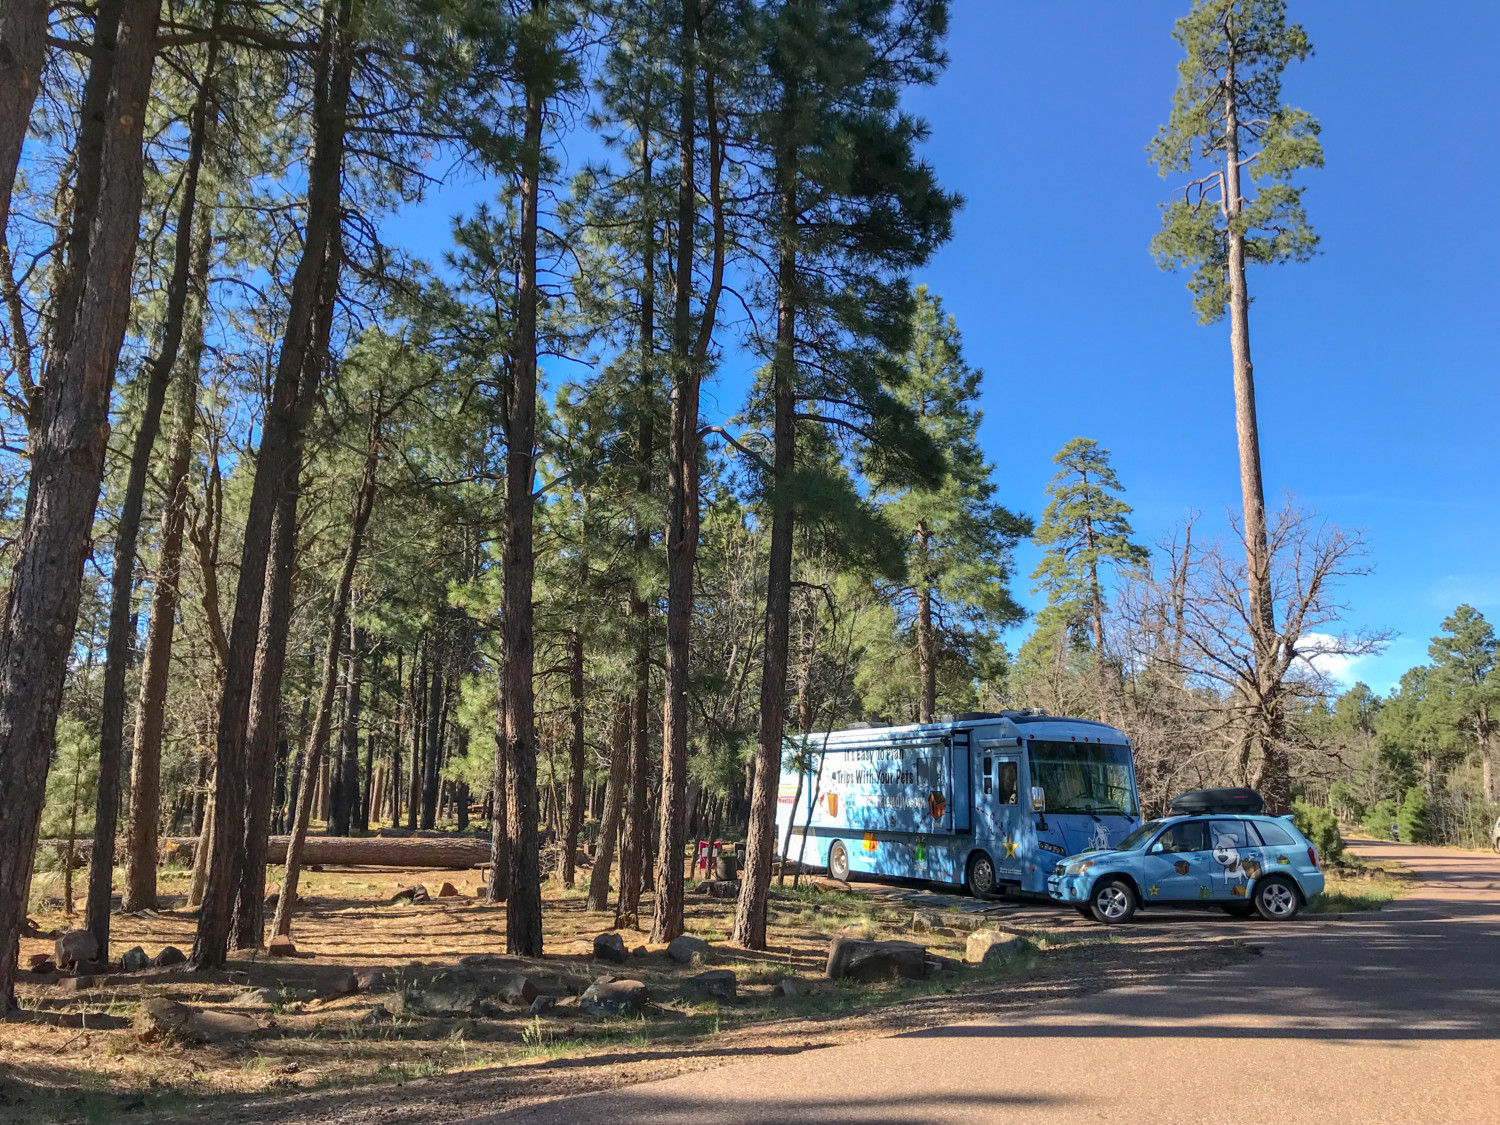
[[1038, 799]]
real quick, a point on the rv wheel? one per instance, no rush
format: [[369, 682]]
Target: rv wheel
[[981, 880], [838, 862]]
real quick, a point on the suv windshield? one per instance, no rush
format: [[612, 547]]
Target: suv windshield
[[1081, 777], [1139, 837]]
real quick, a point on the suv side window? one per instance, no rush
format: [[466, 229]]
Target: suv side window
[[1233, 833], [1274, 835], [1189, 836]]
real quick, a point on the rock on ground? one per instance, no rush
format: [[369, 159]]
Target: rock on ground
[[170, 955], [520, 989], [159, 1018], [993, 947], [687, 949], [133, 960], [370, 980], [447, 994], [610, 997], [75, 946], [875, 960], [610, 947], [716, 984]]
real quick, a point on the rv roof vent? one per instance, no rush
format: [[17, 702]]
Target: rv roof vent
[[966, 716], [1024, 713], [866, 726]]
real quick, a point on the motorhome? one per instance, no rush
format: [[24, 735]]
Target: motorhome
[[986, 800]]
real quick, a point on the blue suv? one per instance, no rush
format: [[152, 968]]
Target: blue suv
[[1240, 863]]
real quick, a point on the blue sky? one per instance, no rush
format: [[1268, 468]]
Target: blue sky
[[1375, 364]]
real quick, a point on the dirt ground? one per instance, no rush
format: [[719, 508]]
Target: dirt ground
[[316, 1052]]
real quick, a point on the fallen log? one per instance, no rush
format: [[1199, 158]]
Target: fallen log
[[455, 853]]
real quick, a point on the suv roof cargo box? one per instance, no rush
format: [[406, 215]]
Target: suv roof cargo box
[[1233, 800]]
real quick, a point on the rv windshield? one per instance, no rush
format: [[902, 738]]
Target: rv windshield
[[1083, 777]]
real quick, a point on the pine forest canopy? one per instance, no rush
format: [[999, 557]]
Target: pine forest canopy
[[307, 534]]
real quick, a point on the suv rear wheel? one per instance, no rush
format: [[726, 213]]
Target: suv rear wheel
[[1113, 901], [1277, 900]]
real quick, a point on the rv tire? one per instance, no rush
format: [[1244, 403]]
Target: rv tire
[[981, 877], [838, 861]]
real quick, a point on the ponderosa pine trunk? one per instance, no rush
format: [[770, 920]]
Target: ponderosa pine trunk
[[23, 50], [760, 844], [576, 752], [278, 432], [682, 505], [263, 725], [633, 797], [264, 722], [68, 444], [317, 736], [346, 786], [497, 885], [1096, 615], [926, 641], [1274, 781], [523, 914], [418, 695], [432, 744], [142, 827], [614, 801], [121, 631]]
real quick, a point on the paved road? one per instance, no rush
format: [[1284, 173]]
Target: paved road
[[1383, 1017]]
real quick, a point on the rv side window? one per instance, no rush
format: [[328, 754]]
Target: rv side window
[[1005, 782], [989, 785]]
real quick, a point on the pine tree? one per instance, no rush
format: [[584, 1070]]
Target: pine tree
[[959, 560], [1228, 119], [850, 207], [1464, 667], [1084, 526]]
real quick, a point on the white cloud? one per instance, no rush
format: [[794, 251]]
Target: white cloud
[[1318, 652]]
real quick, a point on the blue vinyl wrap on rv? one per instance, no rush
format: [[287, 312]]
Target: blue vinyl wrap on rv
[[922, 801]]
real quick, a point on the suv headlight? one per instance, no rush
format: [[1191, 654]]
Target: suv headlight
[[1078, 867]]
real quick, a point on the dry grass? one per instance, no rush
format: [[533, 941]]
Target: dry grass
[[314, 1038]]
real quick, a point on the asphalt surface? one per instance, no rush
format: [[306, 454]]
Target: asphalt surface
[[1388, 1016]]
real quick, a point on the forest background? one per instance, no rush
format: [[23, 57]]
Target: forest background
[[906, 592]]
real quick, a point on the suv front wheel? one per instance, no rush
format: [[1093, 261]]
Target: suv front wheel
[[1113, 901]]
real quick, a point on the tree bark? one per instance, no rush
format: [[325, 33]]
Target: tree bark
[[278, 434], [926, 642], [497, 886], [1274, 779], [145, 757], [1096, 613], [633, 818], [418, 695], [346, 776], [523, 915], [576, 750], [317, 737], [614, 800], [68, 446], [760, 844], [432, 743], [682, 518], [117, 648], [23, 50]]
